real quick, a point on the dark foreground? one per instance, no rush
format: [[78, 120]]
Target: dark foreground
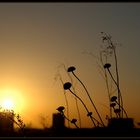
[[96, 132]]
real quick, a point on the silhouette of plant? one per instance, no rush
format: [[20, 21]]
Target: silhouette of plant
[[115, 102], [67, 105], [117, 111], [76, 101], [67, 86], [113, 106], [114, 99], [105, 76], [20, 122], [107, 66], [74, 122], [72, 69], [15, 118], [61, 111], [110, 49], [89, 114]]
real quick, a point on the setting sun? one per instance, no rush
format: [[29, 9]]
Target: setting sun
[[11, 99], [8, 104]]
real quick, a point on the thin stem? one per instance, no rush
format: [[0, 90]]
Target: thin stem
[[84, 106], [67, 108], [89, 97], [108, 91], [76, 102], [106, 80], [112, 76], [78, 110], [69, 120], [97, 121], [75, 97], [76, 125], [119, 92], [117, 74], [66, 102], [122, 109], [115, 113], [116, 64]]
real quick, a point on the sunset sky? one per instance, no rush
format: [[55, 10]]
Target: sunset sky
[[36, 39]]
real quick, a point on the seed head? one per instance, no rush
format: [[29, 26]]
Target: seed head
[[117, 110], [60, 109], [107, 65], [71, 69], [89, 114], [112, 104], [73, 120], [67, 85], [114, 98]]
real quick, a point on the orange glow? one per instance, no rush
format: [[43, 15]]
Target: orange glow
[[11, 99]]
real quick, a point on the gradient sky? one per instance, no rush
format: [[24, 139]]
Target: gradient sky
[[36, 38]]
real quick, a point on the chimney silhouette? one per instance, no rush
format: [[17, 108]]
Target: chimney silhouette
[[58, 121]]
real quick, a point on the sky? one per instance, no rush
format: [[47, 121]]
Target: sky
[[38, 39]]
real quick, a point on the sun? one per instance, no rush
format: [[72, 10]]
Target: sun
[[8, 104], [11, 99]]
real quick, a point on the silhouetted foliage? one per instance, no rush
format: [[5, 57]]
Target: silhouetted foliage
[[115, 101], [72, 69]]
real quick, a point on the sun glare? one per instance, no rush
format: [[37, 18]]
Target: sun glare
[[12, 100], [8, 104]]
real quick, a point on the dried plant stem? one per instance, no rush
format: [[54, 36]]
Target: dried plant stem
[[77, 107], [119, 92], [76, 102], [76, 125], [84, 106], [122, 109], [115, 113], [89, 98], [120, 101], [66, 102], [106, 81], [108, 92], [69, 120], [78, 110]]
